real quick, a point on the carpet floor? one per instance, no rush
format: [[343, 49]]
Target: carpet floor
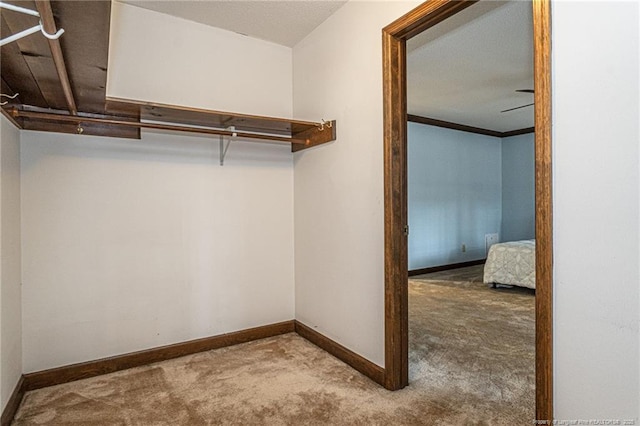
[[471, 356]]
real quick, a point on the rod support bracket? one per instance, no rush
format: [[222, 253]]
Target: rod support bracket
[[224, 148]]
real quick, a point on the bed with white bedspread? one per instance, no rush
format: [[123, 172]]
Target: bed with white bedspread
[[512, 263]]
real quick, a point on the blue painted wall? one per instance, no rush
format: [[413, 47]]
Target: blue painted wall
[[462, 186], [518, 188], [455, 194]]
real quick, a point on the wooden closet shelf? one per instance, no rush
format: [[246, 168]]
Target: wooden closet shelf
[[126, 118], [45, 99]]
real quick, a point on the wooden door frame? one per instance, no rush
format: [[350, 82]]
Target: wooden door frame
[[394, 38]]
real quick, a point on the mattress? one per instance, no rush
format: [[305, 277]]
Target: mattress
[[512, 263]]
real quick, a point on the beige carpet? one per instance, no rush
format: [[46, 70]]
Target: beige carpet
[[471, 355]]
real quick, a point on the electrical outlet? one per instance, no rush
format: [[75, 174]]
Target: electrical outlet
[[464, 248]]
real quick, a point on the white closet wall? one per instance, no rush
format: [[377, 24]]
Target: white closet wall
[[130, 245], [10, 266], [160, 58], [136, 244]]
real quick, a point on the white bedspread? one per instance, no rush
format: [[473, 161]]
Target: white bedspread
[[512, 263]]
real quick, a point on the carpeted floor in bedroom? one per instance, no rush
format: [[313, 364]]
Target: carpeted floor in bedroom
[[471, 358]]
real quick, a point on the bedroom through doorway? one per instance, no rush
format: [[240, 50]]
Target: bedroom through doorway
[[470, 185], [455, 179]]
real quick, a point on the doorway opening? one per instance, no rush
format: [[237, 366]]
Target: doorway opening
[[395, 37]]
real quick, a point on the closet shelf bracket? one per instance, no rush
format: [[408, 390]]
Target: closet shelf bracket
[[224, 148]]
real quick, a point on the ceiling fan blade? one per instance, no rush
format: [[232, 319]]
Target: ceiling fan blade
[[525, 91], [512, 109]]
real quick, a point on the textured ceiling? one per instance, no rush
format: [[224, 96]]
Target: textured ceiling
[[467, 68], [281, 22]]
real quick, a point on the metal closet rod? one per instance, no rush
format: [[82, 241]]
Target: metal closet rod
[[114, 122]]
